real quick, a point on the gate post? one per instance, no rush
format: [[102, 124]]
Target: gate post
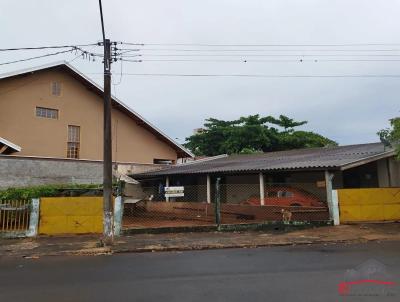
[[335, 207], [118, 213], [329, 199], [218, 203], [34, 218]]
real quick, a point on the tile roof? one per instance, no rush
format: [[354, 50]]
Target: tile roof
[[313, 159]]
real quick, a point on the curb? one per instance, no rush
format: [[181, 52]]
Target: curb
[[234, 246]]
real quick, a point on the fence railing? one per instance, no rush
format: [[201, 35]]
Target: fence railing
[[229, 204], [14, 215]]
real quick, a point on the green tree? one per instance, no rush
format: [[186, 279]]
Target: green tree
[[253, 134], [288, 124], [391, 136]]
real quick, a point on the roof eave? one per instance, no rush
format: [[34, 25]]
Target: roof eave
[[367, 160], [167, 173], [9, 144]]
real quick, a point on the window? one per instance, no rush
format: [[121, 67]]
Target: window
[[56, 88], [160, 161], [47, 112], [73, 143]]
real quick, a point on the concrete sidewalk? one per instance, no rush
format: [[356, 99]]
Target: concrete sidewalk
[[89, 245]]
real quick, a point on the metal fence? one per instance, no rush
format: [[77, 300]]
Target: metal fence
[[229, 204], [14, 215]]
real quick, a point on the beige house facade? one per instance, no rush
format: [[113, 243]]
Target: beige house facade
[[55, 111]]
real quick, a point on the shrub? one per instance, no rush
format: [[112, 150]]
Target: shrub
[[44, 191]]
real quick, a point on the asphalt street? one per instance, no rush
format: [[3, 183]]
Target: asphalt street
[[287, 273]]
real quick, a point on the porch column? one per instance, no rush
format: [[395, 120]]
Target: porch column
[[208, 188], [262, 192], [329, 197], [167, 185]]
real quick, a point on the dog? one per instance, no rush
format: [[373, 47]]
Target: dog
[[286, 216]]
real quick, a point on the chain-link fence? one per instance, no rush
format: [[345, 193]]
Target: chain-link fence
[[153, 209], [150, 207]]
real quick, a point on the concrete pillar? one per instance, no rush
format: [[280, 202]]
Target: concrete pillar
[[118, 213], [208, 188], [167, 185], [34, 218], [329, 200], [262, 188], [335, 207]]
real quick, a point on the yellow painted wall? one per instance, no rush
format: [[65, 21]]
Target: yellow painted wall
[[377, 204], [71, 215]]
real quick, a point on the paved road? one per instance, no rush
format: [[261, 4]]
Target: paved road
[[301, 273]]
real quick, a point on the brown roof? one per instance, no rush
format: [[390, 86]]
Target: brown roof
[[328, 158]]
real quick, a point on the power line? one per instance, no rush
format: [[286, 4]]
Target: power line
[[264, 75], [47, 47], [266, 55], [121, 74], [37, 57], [126, 50], [251, 60], [262, 45], [80, 54], [84, 53]]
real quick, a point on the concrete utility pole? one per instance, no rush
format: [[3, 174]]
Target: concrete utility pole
[[107, 155]]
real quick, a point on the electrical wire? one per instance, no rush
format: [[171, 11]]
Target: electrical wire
[[126, 50], [267, 55], [120, 76], [264, 75], [262, 45], [37, 57], [84, 53], [47, 47], [70, 61], [251, 60]]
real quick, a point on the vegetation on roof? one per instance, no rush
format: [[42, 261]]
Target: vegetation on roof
[[253, 134]]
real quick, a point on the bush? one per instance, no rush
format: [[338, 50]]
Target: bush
[[44, 191]]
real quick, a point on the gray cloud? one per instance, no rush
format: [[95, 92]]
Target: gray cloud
[[349, 110]]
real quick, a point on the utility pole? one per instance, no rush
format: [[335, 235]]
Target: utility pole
[[107, 151]]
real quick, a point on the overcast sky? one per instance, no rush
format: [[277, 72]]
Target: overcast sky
[[348, 110]]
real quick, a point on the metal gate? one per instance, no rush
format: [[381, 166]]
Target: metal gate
[[71, 215], [376, 204], [14, 216]]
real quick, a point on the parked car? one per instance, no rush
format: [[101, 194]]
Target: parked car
[[285, 196]]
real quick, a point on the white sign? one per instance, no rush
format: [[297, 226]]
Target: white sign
[[174, 191]]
